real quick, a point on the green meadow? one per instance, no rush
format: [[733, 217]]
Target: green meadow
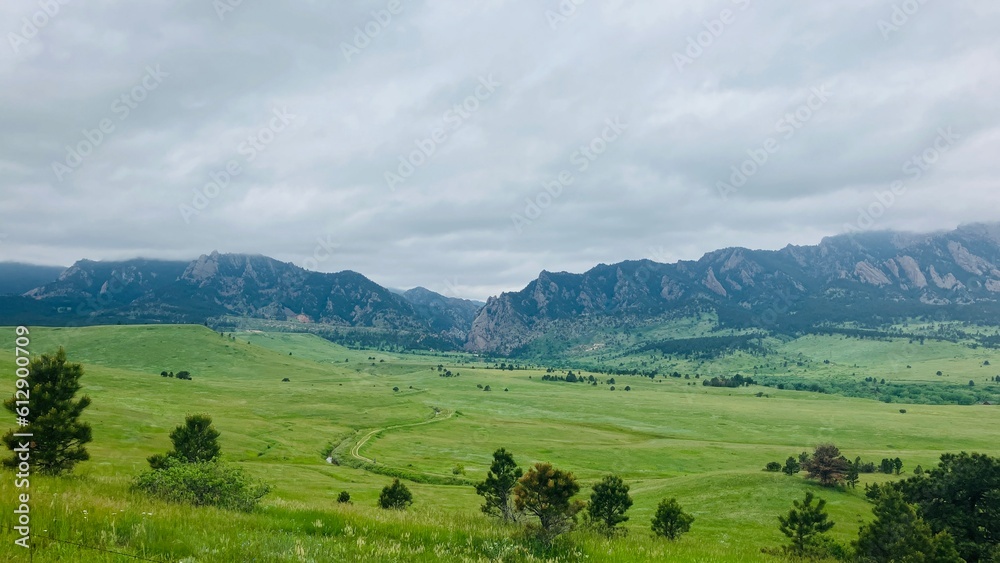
[[667, 437]]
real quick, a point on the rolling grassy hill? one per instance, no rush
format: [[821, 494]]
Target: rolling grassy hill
[[667, 437]]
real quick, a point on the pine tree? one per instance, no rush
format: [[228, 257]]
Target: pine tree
[[609, 502], [827, 465], [898, 533], [792, 466], [498, 488], [547, 493], [395, 496], [195, 441], [670, 521], [804, 525], [53, 416]]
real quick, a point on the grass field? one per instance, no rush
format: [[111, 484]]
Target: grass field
[[666, 437]]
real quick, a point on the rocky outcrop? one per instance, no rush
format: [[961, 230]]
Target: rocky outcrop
[[850, 275]]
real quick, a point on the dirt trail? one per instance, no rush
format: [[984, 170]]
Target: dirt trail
[[356, 448]]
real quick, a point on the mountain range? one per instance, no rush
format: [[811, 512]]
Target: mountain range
[[866, 279]]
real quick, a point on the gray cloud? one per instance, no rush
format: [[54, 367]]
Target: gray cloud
[[314, 192]]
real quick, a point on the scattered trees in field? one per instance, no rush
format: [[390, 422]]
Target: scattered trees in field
[[547, 493], [670, 520], [53, 417], [730, 382], [498, 488], [609, 502], [395, 496]]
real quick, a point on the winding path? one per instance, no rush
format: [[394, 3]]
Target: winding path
[[356, 448]]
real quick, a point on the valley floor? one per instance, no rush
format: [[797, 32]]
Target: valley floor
[[666, 437]]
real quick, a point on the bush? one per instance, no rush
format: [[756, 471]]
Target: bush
[[670, 520], [210, 483], [344, 497], [184, 375], [395, 496], [773, 466]]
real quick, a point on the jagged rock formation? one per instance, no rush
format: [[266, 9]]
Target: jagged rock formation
[[860, 277]]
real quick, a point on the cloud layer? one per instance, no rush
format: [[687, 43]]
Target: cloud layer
[[467, 147]]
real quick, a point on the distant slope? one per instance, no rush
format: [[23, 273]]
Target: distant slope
[[446, 314], [17, 278], [236, 285], [867, 278]]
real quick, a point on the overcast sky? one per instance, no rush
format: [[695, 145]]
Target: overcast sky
[[307, 115]]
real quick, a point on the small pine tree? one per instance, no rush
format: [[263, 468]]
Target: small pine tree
[[344, 497], [670, 520], [608, 503], [54, 416], [547, 493], [498, 488], [791, 467], [804, 525], [195, 441], [853, 476], [395, 496]]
